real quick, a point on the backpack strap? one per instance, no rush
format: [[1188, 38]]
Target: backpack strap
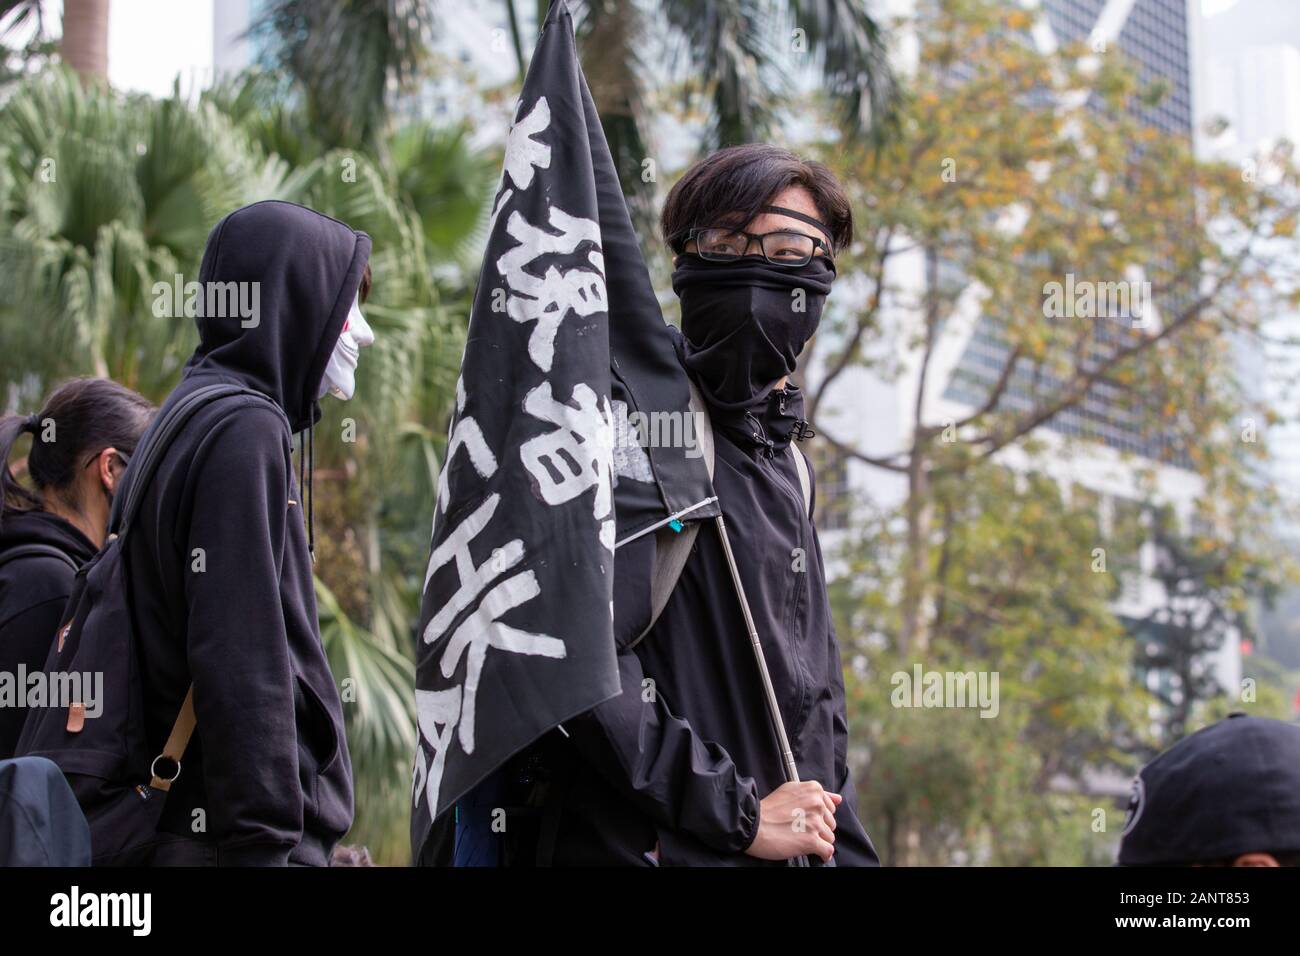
[[176, 743], [144, 464], [673, 548], [155, 444], [805, 479], [38, 550]]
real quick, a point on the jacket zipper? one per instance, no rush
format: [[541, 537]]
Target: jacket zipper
[[768, 451]]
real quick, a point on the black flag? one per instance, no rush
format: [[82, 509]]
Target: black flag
[[571, 435]]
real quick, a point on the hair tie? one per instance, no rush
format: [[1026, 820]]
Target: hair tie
[[33, 423]]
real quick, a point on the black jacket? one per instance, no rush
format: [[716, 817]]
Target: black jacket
[[684, 761], [33, 592], [41, 823], [221, 576]]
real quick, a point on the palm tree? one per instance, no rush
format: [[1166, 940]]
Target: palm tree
[[102, 195], [735, 54], [85, 38], [735, 47], [345, 58], [84, 44]]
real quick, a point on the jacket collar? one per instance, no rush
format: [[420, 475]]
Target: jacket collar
[[770, 423]]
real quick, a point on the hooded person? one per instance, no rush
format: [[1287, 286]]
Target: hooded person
[[82, 438], [683, 767], [220, 560]]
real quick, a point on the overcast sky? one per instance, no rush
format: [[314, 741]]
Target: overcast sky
[[151, 42]]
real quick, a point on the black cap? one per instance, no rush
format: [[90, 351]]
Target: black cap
[[1229, 789]]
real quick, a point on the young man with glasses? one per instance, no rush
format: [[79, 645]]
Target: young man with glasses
[[683, 767]]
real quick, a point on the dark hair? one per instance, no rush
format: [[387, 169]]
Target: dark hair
[[730, 187], [89, 415], [364, 291]]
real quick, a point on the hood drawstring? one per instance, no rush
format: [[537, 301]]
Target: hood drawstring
[[306, 471], [311, 492]]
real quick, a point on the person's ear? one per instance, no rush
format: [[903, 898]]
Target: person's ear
[[109, 469], [1256, 859]]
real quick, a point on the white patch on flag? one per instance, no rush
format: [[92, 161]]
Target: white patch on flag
[[466, 434], [479, 631], [576, 455], [436, 714], [550, 299], [483, 629], [523, 152], [472, 579]]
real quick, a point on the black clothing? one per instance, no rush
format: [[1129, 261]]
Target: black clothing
[[745, 322], [684, 761], [40, 821], [1230, 788], [221, 576], [33, 591]]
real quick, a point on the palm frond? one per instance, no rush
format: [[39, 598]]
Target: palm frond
[[852, 56], [732, 48], [345, 58]]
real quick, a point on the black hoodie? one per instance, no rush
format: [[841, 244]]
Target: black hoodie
[[221, 575], [33, 592]]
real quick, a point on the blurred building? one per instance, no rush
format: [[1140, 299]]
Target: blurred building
[[1099, 447], [232, 49], [1252, 53], [1257, 89]]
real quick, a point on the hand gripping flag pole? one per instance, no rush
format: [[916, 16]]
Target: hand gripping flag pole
[[773, 708]]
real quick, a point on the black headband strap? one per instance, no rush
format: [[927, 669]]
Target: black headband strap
[[782, 210]]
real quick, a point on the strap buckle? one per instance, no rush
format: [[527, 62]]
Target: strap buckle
[[160, 782]]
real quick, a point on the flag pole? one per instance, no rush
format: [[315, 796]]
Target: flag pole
[[774, 709]]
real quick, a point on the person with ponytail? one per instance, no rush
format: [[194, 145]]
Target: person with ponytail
[[81, 441]]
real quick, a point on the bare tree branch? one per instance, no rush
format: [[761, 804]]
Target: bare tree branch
[[999, 388], [1077, 389], [848, 451]]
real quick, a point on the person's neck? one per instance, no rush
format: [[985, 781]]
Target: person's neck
[[94, 534], [781, 384]]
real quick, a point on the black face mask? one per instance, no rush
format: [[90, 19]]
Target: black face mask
[[743, 324]]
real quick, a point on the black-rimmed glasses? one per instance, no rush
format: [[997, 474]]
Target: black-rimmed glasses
[[782, 248]]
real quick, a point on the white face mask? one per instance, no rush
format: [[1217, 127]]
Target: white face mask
[[340, 372]]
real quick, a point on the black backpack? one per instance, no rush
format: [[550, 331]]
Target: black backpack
[[37, 551], [119, 781]]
